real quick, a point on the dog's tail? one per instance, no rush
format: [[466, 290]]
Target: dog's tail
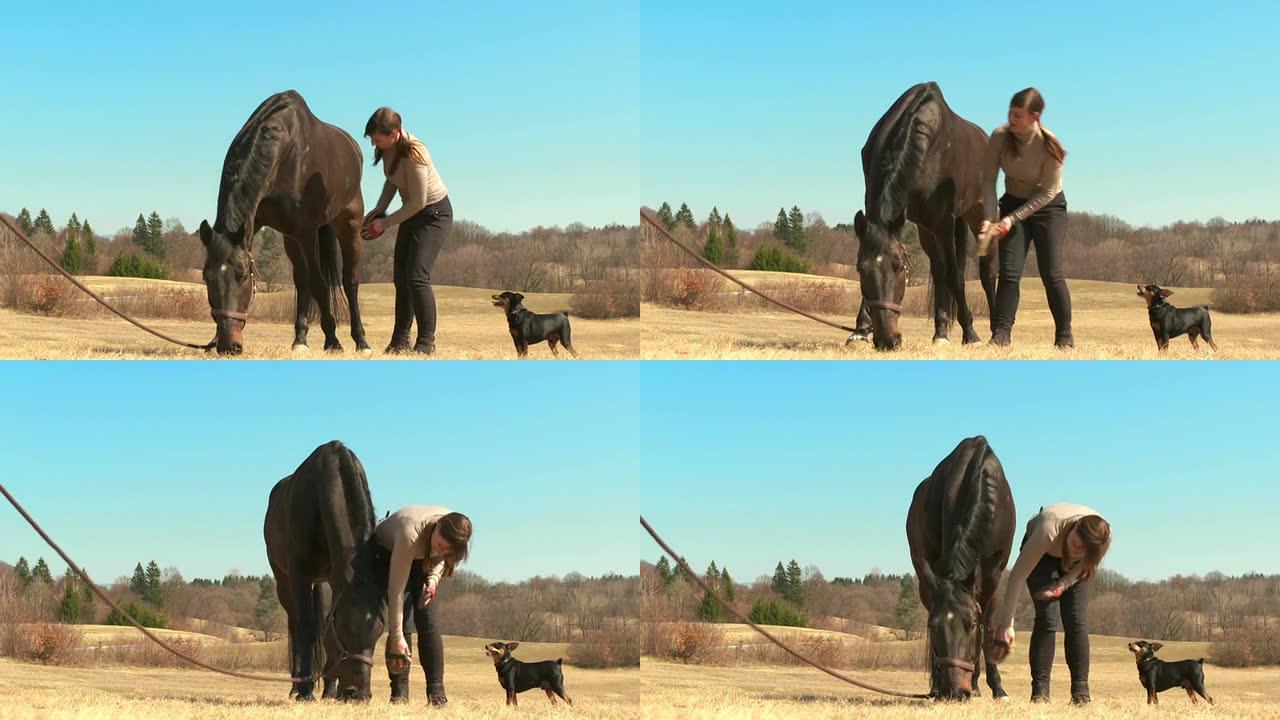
[[560, 661], [1206, 307], [1201, 661]]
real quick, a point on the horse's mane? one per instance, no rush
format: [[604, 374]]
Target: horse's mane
[[977, 501], [902, 152], [249, 162]]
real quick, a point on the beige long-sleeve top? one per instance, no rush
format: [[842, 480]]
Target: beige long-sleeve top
[[418, 185], [1044, 536], [1033, 175], [407, 534]]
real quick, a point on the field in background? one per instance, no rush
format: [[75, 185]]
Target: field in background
[[106, 690], [1109, 320], [676, 690], [469, 328]]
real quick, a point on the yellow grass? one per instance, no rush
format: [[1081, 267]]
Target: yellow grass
[[469, 328], [36, 691], [674, 690], [91, 635], [1109, 320]]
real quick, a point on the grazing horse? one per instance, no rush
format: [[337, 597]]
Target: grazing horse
[[960, 529], [319, 534], [288, 170], [921, 163]]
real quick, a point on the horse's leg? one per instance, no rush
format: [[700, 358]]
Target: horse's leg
[[298, 260], [352, 245], [987, 597], [941, 291], [861, 328], [959, 234], [320, 289], [284, 595], [302, 635], [326, 657]]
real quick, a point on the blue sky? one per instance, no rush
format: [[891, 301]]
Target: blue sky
[[128, 462], [528, 109], [1164, 107], [750, 463]]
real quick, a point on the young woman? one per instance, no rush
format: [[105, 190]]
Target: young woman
[[425, 218], [424, 544], [1032, 210], [1061, 550]]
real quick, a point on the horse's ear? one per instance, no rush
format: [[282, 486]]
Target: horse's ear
[[860, 225], [895, 226], [206, 233]]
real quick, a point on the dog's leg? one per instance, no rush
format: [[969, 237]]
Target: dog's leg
[[551, 343], [550, 695], [1194, 333], [1190, 694], [559, 688]]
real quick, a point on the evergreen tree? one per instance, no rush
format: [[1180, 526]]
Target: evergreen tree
[[714, 217], [154, 243], [44, 223], [69, 608], [40, 573], [684, 216], [795, 583], [73, 225], [726, 584], [24, 222], [782, 227], [795, 223], [709, 608], [87, 612], [23, 571], [730, 233], [72, 255], [266, 614], [713, 249], [907, 612], [664, 214], [664, 570], [88, 242], [155, 592], [140, 235], [269, 259], [779, 583], [138, 583]]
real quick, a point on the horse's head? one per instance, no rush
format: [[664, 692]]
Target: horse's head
[[229, 277], [953, 640], [882, 271], [358, 613]]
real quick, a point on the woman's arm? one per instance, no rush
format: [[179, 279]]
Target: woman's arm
[[401, 564], [990, 169], [1050, 185], [415, 193], [384, 200], [1038, 543]]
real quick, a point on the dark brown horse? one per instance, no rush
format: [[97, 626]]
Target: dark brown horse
[[921, 163], [288, 170], [319, 534], [960, 529]]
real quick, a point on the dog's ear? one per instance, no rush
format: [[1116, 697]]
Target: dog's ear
[[517, 298], [1156, 646], [1165, 293], [512, 646]]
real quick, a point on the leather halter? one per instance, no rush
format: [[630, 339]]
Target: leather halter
[[954, 662], [366, 658], [243, 317], [884, 305]]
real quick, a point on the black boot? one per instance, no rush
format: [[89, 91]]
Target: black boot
[[399, 687], [435, 695]]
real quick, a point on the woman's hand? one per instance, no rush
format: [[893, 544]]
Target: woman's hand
[[373, 229], [1005, 635], [1053, 592], [397, 646], [370, 217], [428, 594]]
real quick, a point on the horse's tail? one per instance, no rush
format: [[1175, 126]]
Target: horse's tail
[[331, 269]]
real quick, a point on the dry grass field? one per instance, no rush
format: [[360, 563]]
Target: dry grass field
[[30, 690], [676, 690], [469, 328], [1109, 320]]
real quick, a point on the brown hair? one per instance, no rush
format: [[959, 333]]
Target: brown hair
[[385, 121], [1031, 100], [1096, 535], [455, 528]]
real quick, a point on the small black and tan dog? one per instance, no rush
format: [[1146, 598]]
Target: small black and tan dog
[[527, 326], [1168, 321], [1157, 675], [516, 677]]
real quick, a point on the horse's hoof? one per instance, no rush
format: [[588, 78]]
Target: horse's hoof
[[366, 350], [333, 347], [971, 338], [300, 347], [941, 341], [857, 337]]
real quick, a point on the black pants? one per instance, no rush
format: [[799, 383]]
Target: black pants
[[1047, 228], [423, 619], [418, 243], [1068, 613]]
